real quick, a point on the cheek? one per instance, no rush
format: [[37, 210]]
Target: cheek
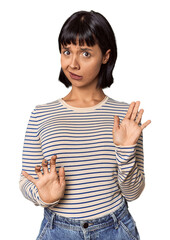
[[93, 68], [63, 62]]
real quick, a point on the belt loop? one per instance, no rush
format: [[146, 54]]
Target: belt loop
[[52, 220], [115, 220]]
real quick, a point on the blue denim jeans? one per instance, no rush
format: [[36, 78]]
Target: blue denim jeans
[[118, 225]]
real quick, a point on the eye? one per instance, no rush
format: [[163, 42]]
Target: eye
[[86, 54], [66, 52]]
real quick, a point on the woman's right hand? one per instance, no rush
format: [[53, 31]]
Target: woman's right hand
[[50, 187]]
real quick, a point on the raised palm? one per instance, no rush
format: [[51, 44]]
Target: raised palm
[[128, 132], [50, 187]]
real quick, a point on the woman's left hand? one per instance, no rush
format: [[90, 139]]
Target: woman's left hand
[[129, 131]]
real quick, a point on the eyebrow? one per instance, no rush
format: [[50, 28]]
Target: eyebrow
[[83, 49]]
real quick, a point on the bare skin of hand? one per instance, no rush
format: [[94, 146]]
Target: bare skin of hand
[[128, 132], [50, 186]]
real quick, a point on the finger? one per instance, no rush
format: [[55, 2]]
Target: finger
[[135, 110], [130, 109], [29, 177], [38, 171], [139, 116], [45, 166], [144, 125], [53, 164], [116, 123], [62, 175]]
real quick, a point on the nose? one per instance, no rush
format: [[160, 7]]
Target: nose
[[74, 63]]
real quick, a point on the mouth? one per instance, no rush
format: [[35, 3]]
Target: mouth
[[74, 76]]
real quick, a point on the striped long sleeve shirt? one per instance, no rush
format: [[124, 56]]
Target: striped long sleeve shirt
[[98, 173]]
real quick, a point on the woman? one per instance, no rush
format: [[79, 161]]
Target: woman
[[94, 142]]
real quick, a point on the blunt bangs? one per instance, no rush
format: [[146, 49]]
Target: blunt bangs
[[77, 28]]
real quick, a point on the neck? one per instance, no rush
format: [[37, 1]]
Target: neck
[[85, 95]]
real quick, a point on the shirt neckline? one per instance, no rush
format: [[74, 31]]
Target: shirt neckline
[[83, 109]]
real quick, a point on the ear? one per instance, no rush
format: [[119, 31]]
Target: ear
[[106, 56]]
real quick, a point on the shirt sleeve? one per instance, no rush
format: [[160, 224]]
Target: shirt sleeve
[[131, 177], [31, 156]]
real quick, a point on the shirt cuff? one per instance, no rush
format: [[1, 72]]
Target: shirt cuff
[[44, 204], [125, 157]]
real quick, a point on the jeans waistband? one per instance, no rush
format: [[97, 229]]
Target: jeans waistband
[[115, 216]]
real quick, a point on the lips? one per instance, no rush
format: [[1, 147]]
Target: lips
[[74, 76]]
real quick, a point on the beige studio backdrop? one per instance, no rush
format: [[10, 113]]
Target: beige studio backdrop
[[30, 64]]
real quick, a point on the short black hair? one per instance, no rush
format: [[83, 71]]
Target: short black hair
[[91, 27]]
